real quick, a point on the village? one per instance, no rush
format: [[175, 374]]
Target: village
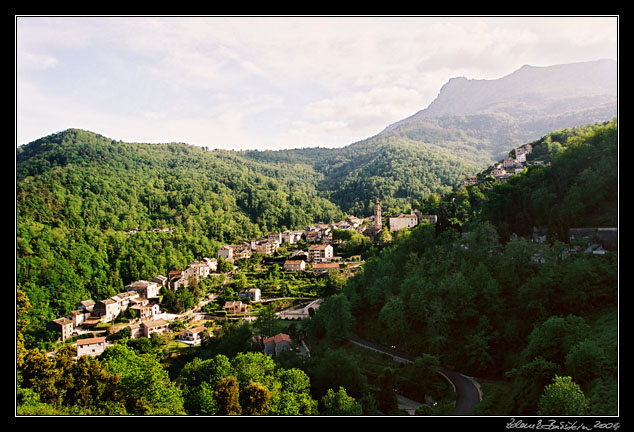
[[508, 167], [143, 297]]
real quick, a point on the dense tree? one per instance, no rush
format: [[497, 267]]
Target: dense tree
[[250, 383], [563, 397], [146, 385], [339, 404], [334, 319], [256, 399], [227, 395]]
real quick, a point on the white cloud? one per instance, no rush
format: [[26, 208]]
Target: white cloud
[[323, 81]]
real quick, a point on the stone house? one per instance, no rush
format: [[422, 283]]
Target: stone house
[[274, 345], [85, 305], [176, 280], [226, 253], [160, 280], [135, 331], [275, 237], [107, 309], [425, 217], [313, 236], [241, 251], [63, 326], [325, 267], [145, 288]]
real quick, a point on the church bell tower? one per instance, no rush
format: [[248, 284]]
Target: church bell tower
[[378, 223]]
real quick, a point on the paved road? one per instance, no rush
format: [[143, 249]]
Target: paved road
[[467, 389]]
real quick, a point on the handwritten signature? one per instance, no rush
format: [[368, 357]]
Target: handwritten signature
[[560, 425]]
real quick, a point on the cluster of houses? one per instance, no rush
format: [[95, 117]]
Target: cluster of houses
[[320, 252], [141, 297], [508, 167]]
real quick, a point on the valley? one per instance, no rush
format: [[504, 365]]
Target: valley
[[498, 275]]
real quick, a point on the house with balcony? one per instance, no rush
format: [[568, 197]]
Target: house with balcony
[[320, 253], [193, 335], [235, 307]]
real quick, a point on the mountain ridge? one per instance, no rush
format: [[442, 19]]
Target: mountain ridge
[[598, 77]]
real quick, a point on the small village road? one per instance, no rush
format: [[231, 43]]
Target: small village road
[[467, 389]]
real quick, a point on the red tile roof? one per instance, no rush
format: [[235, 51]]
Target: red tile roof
[[278, 338]]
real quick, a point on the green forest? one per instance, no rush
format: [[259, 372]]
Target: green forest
[[500, 305], [472, 292]]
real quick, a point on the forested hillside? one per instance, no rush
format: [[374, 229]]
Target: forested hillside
[[504, 307], [392, 168], [79, 196]]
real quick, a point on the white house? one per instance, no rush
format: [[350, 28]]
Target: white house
[[254, 294], [294, 265], [320, 253], [403, 221], [92, 346], [192, 335]]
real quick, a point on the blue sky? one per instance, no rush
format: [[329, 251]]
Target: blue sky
[[269, 82]]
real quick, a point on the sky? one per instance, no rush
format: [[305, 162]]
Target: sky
[[262, 82]]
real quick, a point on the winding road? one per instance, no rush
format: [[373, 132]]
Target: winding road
[[467, 389]]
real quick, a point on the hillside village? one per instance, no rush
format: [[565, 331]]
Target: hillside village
[[142, 296], [512, 165]]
